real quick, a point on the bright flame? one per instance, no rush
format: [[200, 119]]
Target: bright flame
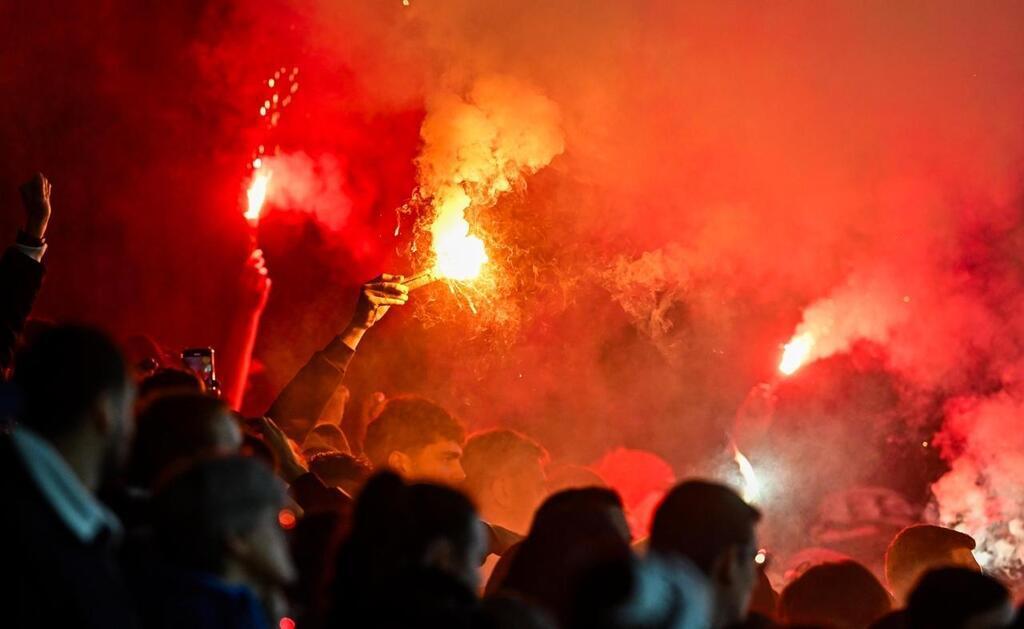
[[257, 194], [460, 256], [795, 353], [751, 483]]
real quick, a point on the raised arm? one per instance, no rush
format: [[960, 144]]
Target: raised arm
[[302, 400], [240, 337], [21, 268]]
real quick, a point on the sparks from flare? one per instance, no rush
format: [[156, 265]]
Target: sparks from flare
[[795, 353]]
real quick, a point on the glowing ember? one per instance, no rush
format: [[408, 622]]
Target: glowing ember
[[751, 483], [257, 194], [795, 353]]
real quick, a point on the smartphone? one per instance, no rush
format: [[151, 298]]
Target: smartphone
[[201, 361]]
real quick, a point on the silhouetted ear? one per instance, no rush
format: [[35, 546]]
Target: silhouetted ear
[[400, 462], [723, 568]]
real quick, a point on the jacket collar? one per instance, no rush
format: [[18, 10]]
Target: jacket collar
[[74, 504]]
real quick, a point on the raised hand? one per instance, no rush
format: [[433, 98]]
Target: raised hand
[[376, 297], [35, 197], [255, 281]]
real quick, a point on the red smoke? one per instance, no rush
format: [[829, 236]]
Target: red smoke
[[729, 170]]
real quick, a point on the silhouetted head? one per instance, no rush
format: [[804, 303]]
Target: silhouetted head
[[842, 595], [417, 439], [920, 548], [400, 528], [572, 531], [711, 526], [75, 391], [176, 428], [505, 476], [219, 516], [169, 381], [958, 598]]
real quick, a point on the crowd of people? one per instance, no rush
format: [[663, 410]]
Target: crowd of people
[[136, 495]]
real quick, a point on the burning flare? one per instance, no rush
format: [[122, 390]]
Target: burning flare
[[751, 483], [257, 194], [460, 256], [795, 353], [476, 147]]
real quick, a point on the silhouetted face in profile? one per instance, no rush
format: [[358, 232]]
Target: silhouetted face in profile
[[261, 553], [436, 462], [710, 525], [921, 548]]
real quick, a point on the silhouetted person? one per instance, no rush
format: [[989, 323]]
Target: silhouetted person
[[711, 526], [411, 560], [505, 477], [920, 548], [21, 268], [417, 439], [844, 595], [57, 538], [958, 598], [572, 531], [654, 593], [303, 400], [224, 555]]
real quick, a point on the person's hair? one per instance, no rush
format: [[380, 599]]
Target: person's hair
[[170, 429], [63, 373], [949, 597], [169, 380], [917, 548], [562, 476], [338, 469], [196, 510], [488, 455], [842, 594], [408, 424], [326, 438], [699, 520], [571, 531], [393, 525]]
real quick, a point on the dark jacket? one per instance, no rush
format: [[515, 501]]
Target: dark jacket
[[20, 279], [300, 403], [172, 598], [53, 579]]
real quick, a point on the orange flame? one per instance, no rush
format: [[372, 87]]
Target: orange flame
[[751, 483], [257, 194], [795, 353], [460, 256]]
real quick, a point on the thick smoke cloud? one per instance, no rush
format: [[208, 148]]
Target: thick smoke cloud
[[729, 170]]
